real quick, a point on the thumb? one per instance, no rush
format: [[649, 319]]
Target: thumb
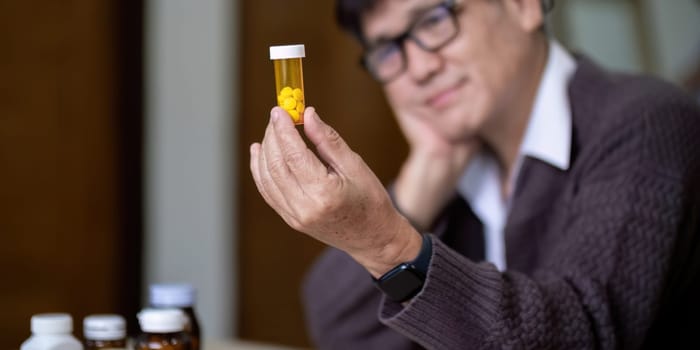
[[329, 145]]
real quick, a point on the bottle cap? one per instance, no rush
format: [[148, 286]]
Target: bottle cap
[[172, 295], [52, 324], [104, 327], [162, 320], [287, 51]]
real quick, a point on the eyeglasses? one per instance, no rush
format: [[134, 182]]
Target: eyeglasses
[[432, 30]]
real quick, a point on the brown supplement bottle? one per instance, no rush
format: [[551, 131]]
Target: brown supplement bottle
[[162, 329], [104, 332], [181, 296]]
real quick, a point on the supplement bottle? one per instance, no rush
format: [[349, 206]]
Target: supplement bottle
[[162, 329], [289, 79], [103, 332], [181, 296], [52, 332]]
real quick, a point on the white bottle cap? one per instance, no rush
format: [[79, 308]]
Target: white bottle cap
[[52, 324], [287, 51], [104, 327], [162, 320], [172, 295]]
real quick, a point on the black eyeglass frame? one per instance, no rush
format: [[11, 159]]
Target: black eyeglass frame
[[452, 6]]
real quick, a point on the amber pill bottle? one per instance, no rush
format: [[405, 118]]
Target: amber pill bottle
[[104, 332], [289, 79], [162, 329], [183, 297]]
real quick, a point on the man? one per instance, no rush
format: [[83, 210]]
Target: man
[[545, 203]]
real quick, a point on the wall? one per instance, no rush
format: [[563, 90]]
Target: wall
[[189, 209], [660, 37], [70, 116]]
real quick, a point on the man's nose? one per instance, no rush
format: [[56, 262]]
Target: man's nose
[[421, 64]]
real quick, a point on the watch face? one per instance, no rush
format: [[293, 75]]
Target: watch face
[[401, 284]]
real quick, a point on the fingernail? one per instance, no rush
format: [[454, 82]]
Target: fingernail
[[275, 115]]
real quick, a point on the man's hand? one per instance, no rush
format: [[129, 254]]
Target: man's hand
[[338, 201], [429, 176]]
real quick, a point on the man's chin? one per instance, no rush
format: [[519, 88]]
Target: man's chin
[[457, 135], [457, 128]]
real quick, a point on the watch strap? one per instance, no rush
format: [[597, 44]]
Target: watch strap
[[422, 261]]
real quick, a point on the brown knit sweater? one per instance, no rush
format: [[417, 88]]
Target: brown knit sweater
[[604, 255]]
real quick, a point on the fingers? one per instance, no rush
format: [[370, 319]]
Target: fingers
[[284, 168], [280, 186], [274, 159], [263, 181], [301, 163], [255, 170], [330, 146]]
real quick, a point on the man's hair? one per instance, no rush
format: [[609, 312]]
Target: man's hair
[[348, 13]]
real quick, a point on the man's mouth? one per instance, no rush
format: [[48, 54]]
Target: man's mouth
[[446, 96]]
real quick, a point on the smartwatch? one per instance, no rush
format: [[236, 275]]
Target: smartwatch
[[404, 281]]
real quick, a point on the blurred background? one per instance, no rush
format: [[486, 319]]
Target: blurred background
[[124, 134]]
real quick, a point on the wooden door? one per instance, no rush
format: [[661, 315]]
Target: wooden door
[[69, 160], [273, 257]]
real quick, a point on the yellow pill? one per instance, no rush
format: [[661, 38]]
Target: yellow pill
[[280, 100], [289, 103], [298, 94], [294, 114], [300, 107], [286, 92]]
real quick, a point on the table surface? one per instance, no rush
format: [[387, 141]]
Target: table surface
[[241, 345]]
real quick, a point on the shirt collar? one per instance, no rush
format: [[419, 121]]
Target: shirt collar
[[548, 134]]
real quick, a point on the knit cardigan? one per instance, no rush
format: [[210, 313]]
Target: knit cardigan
[[603, 255]]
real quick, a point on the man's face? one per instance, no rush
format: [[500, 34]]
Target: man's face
[[468, 85]]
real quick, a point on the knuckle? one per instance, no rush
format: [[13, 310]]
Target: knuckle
[[295, 159], [277, 166], [293, 222], [316, 214], [266, 185], [328, 204], [307, 219], [356, 158], [333, 136]]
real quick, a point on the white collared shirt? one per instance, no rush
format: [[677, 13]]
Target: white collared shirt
[[547, 138]]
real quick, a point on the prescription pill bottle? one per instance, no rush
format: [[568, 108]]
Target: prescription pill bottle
[[162, 329], [183, 297], [103, 332], [289, 79]]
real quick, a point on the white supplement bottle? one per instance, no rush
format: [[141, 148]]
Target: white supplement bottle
[[52, 332]]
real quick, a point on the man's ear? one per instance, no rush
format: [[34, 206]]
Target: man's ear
[[528, 13]]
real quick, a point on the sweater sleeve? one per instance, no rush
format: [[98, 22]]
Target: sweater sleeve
[[341, 307], [599, 283]]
